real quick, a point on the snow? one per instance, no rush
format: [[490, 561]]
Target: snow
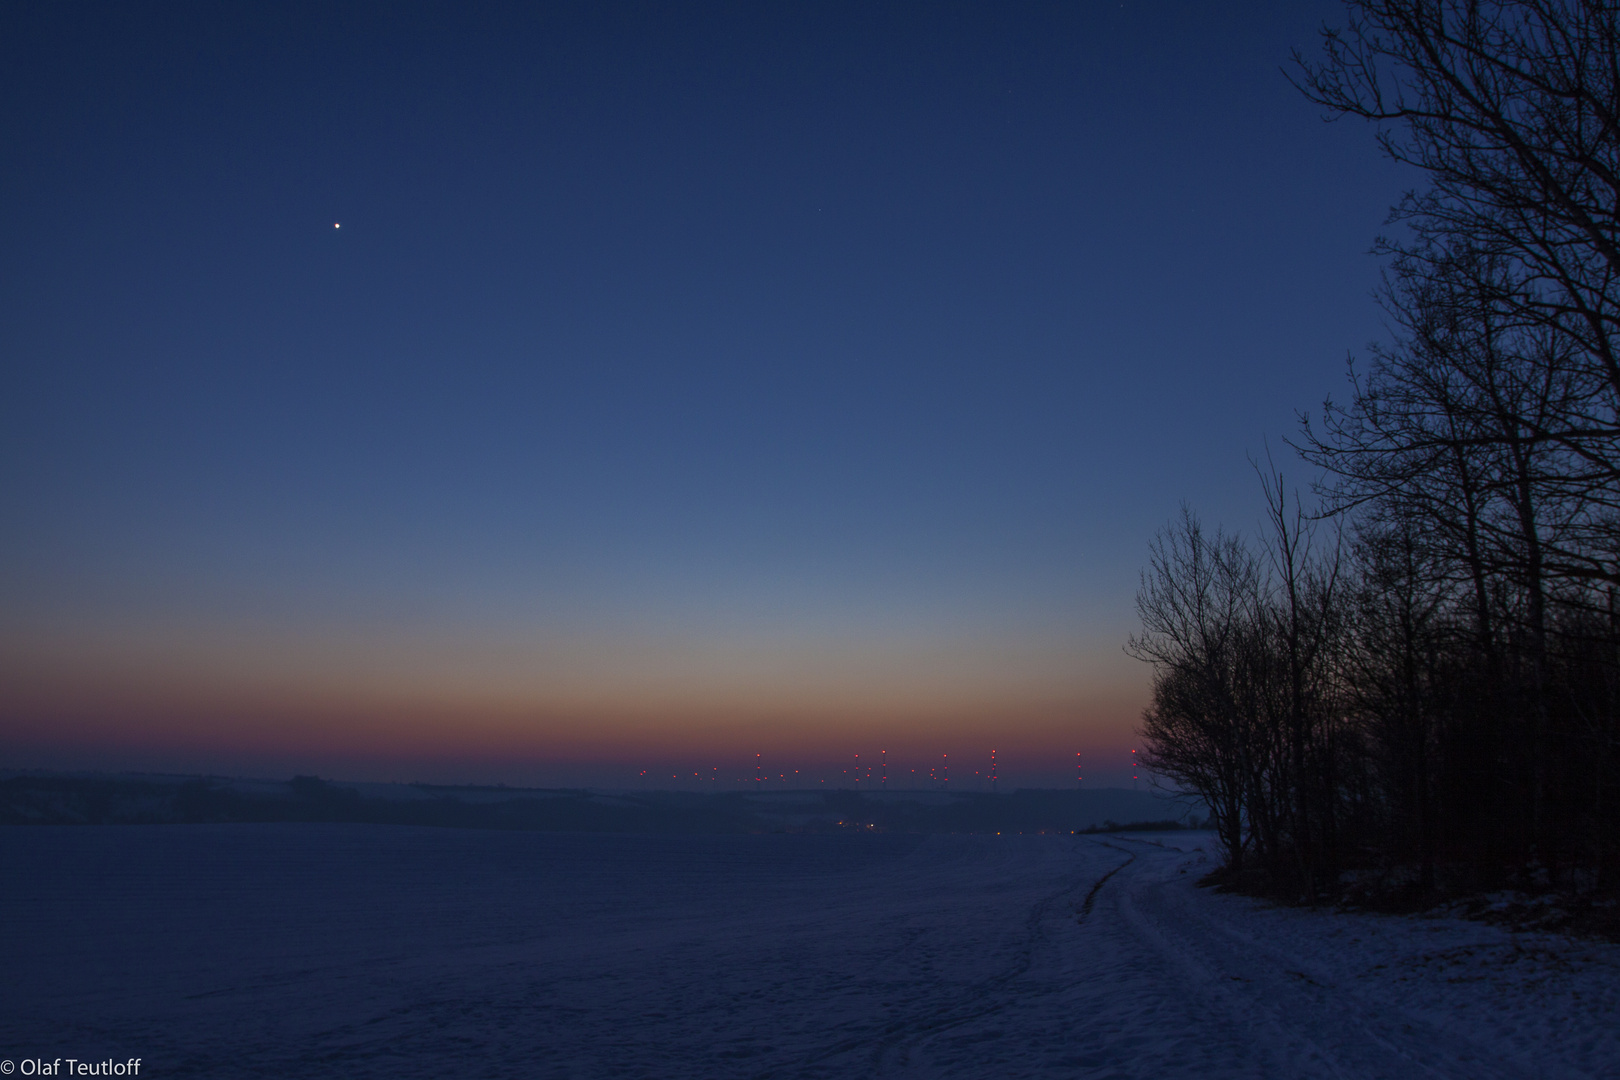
[[361, 951]]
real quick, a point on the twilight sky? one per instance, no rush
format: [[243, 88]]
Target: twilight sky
[[684, 381]]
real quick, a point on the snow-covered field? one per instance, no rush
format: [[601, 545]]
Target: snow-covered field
[[359, 951]]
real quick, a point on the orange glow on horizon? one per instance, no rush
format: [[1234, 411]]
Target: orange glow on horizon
[[267, 698]]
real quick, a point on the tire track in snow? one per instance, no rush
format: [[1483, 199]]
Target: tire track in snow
[[970, 1003], [1091, 897]]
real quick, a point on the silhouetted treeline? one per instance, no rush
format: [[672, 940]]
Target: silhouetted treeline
[[1426, 676]]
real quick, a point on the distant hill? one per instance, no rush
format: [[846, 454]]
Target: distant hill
[[98, 799]]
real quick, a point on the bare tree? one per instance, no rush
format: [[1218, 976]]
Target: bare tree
[[1197, 604], [1307, 623], [1512, 110], [1394, 674]]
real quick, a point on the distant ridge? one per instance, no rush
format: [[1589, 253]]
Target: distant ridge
[[126, 799]]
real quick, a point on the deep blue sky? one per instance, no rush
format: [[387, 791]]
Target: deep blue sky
[[812, 365]]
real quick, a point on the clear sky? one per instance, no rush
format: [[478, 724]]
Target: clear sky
[[545, 393]]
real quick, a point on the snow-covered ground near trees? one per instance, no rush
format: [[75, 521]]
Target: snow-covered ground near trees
[[371, 951]]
